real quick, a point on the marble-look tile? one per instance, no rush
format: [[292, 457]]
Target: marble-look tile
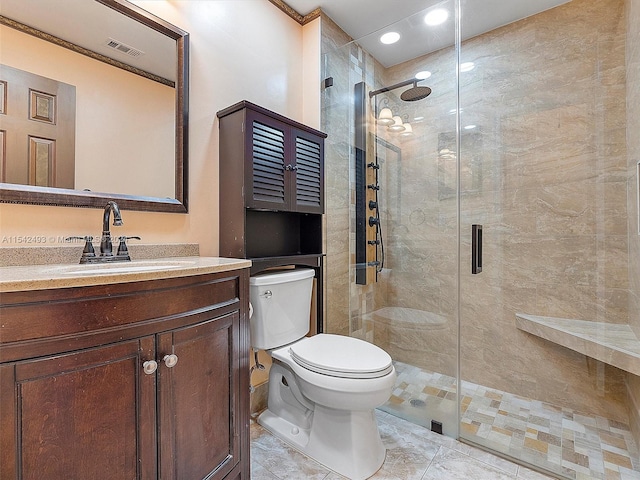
[[485, 457], [528, 474], [258, 472], [453, 465], [538, 433], [280, 460], [610, 343], [556, 196], [413, 452], [408, 454]]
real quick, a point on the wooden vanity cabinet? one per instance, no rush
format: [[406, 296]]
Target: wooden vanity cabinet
[[78, 401]]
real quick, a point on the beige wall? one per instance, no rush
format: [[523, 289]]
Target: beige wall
[[311, 39], [239, 50]]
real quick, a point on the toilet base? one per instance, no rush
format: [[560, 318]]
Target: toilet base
[[347, 442]]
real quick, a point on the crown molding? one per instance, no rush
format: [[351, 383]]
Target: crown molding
[[301, 19]]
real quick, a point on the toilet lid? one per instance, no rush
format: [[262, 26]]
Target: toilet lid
[[341, 356]]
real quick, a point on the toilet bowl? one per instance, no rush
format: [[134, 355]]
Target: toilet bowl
[[322, 389]]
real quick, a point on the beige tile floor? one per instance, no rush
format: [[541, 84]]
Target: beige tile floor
[[413, 453]]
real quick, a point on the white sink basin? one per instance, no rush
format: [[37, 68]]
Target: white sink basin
[[136, 266]]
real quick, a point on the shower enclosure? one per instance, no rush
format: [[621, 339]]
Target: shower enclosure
[[494, 248]]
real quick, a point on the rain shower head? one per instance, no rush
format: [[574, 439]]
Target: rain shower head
[[411, 95], [415, 93]]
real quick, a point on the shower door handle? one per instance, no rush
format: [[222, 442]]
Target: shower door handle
[[476, 249]]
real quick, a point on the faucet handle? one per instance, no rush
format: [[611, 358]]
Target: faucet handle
[[123, 251], [88, 251]]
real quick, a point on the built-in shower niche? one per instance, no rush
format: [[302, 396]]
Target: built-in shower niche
[[279, 234]]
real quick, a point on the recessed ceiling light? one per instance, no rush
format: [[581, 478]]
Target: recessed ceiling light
[[469, 127], [436, 17], [423, 75], [417, 119], [390, 37], [467, 66]]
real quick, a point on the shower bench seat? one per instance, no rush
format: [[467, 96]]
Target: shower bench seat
[[615, 344]]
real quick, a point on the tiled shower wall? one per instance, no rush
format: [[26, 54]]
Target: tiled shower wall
[[336, 106], [348, 65], [633, 152], [546, 175], [549, 94]]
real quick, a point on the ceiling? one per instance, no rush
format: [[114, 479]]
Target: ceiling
[[366, 20], [92, 25]]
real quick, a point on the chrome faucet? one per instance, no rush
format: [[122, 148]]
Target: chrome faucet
[[106, 248]]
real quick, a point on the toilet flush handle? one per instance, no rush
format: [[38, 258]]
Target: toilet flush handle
[[267, 294]]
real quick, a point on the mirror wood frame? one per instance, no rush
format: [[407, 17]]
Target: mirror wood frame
[[27, 194]]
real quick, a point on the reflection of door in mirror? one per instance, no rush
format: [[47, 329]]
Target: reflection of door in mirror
[[38, 125]]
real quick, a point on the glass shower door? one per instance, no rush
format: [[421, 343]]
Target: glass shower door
[[544, 169], [395, 281]]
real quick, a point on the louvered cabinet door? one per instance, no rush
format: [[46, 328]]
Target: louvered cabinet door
[[285, 167], [307, 181], [267, 180]]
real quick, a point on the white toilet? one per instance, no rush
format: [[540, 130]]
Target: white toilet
[[322, 389]]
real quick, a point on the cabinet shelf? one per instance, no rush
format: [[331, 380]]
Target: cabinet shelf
[[258, 264]]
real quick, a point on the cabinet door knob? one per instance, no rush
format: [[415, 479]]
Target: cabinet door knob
[[170, 360], [150, 366]]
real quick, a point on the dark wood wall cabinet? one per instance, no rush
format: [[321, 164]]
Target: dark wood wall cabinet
[[271, 191], [142, 380]]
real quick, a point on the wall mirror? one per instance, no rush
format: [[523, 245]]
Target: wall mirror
[[130, 73]]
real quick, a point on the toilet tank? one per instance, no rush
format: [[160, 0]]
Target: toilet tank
[[281, 307]]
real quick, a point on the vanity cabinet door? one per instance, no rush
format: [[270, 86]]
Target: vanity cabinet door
[[80, 415], [199, 400]]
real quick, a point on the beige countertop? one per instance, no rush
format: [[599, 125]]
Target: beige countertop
[[41, 277]]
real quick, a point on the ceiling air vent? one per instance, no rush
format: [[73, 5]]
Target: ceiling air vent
[[124, 48]]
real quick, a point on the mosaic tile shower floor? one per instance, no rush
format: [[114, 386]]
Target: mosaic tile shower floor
[[569, 443]]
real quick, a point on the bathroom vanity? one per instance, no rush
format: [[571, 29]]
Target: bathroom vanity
[[139, 372]]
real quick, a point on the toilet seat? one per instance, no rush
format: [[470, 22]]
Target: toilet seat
[[341, 356]]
